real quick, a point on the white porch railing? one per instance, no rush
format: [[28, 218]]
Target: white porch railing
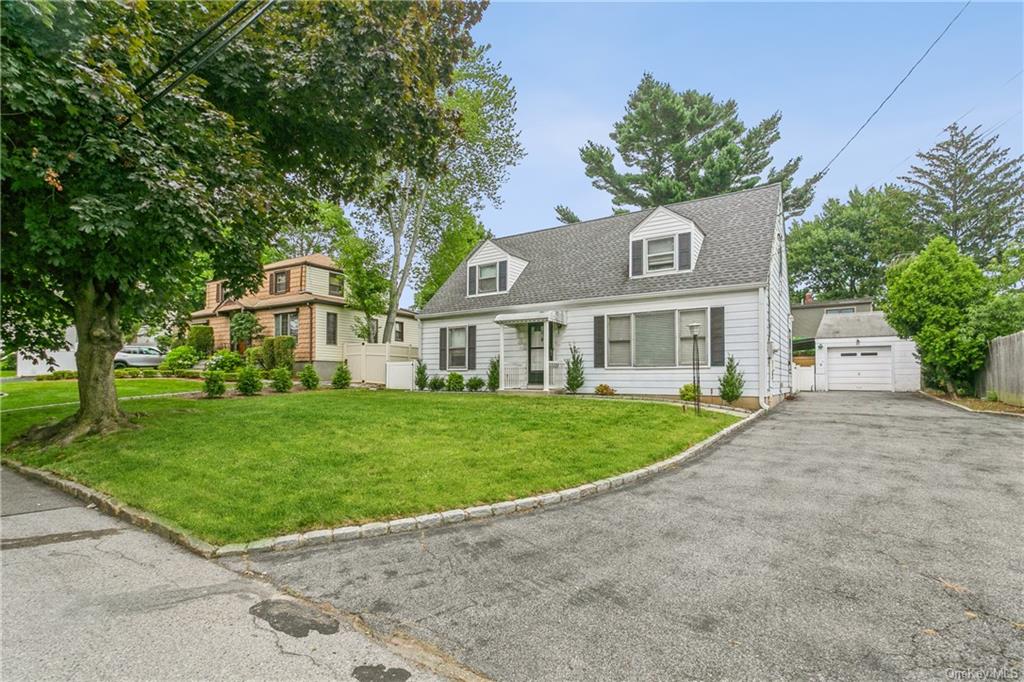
[[556, 374], [514, 377]]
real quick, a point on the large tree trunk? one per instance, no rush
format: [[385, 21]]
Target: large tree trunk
[[97, 322]]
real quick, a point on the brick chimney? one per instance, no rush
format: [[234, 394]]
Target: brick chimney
[[808, 298]]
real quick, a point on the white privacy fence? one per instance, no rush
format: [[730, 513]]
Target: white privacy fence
[[803, 378], [368, 361]]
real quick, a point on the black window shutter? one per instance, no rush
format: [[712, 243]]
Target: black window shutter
[[717, 337], [684, 251], [638, 258], [471, 347], [442, 361], [502, 275], [472, 280], [599, 341]]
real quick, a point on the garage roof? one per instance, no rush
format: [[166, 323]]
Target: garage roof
[[849, 325]]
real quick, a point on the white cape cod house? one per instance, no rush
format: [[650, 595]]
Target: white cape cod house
[[626, 291]]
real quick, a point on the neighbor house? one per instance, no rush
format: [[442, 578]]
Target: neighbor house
[[304, 298], [807, 315], [629, 291]]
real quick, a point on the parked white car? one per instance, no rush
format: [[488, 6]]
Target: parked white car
[[138, 356]]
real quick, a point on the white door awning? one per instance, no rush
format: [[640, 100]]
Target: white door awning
[[510, 319]]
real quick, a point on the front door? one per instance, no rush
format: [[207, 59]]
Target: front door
[[535, 352]]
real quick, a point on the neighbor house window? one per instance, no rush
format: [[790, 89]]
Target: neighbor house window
[[279, 282], [840, 311], [655, 339], [661, 254], [220, 292], [286, 324], [399, 333], [686, 318], [487, 278], [335, 284], [456, 348], [620, 341], [332, 329]]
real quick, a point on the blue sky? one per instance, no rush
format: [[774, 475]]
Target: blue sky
[[825, 66]]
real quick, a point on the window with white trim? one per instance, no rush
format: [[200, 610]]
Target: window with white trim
[[332, 329], [399, 332], [335, 284], [686, 318], [661, 254], [286, 324], [620, 341], [456, 348], [487, 278]]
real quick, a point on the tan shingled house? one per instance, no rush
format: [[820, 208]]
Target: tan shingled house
[[305, 298]]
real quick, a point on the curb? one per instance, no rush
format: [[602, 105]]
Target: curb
[[967, 409], [177, 535]]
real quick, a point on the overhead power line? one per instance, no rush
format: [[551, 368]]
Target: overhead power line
[[893, 91]]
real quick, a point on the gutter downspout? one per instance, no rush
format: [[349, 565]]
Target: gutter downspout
[[762, 348]]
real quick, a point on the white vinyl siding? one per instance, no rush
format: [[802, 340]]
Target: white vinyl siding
[[902, 363], [347, 319], [741, 341], [489, 252], [779, 364]]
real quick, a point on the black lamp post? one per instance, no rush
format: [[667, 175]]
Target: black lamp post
[[694, 333]]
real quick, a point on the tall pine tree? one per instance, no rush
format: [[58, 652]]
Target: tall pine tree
[[972, 191], [687, 145]]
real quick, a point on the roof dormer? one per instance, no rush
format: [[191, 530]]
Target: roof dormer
[[491, 270], [663, 243]]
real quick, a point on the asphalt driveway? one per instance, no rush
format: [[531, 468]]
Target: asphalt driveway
[[846, 535]]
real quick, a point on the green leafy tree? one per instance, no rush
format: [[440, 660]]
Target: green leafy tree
[[844, 250], [929, 299], [476, 165], [111, 211], [566, 215], [200, 337], [972, 191], [686, 145], [245, 328], [730, 384], [459, 235], [1000, 315], [322, 228], [366, 282], [574, 370]]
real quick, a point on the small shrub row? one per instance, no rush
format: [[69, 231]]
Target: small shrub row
[[182, 357], [249, 380], [225, 361], [455, 381]]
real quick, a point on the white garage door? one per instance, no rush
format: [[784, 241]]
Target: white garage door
[[860, 368]]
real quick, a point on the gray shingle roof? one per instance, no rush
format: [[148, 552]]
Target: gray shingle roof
[[850, 325], [591, 259]]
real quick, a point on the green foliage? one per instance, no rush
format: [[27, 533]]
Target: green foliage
[[250, 381], [494, 375], [58, 375], [992, 396], [455, 382], [574, 370], [274, 352], [686, 145], [604, 389], [308, 377], [245, 327], [225, 361], [9, 362], [421, 375], [342, 376], [412, 219], [844, 250], [254, 356], [200, 337], [970, 190], [688, 393], [436, 383], [150, 374], [730, 384], [460, 231], [928, 300], [366, 281], [213, 384], [566, 215], [320, 228], [474, 384], [182, 357], [999, 315], [281, 380]]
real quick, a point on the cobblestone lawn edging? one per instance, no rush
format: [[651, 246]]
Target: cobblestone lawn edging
[[175, 534]]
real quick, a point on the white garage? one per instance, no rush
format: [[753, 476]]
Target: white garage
[[861, 352]]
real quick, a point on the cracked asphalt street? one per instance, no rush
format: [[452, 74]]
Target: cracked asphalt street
[[85, 596], [844, 536]]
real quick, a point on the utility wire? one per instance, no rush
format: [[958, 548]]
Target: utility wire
[[893, 92], [231, 33]]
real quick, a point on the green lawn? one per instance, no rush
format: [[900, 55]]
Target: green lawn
[[7, 373], [240, 469], [34, 393]]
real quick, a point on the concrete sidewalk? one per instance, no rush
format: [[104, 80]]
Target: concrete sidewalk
[[86, 596]]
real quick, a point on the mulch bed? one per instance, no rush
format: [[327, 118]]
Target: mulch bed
[[978, 404]]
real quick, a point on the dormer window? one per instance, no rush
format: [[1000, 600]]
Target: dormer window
[[661, 254], [488, 278]]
